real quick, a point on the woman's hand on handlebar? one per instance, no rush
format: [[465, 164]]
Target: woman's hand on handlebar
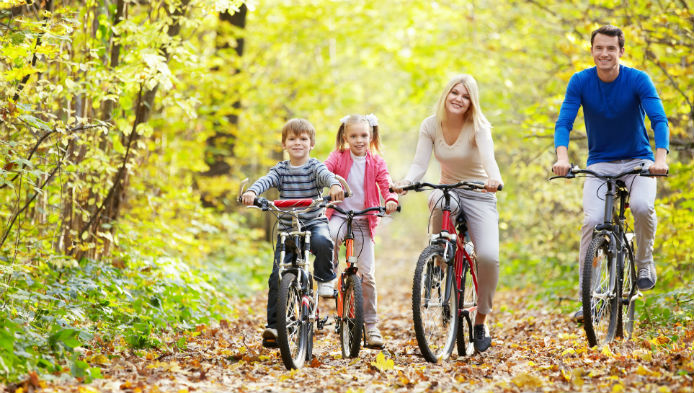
[[493, 185], [248, 197], [397, 187], [391, 206]]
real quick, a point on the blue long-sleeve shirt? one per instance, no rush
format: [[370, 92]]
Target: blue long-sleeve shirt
[[614, 114]]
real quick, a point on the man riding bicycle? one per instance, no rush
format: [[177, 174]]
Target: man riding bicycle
[[615, 99]]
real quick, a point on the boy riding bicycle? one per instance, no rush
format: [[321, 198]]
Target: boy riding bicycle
[[299, 177]]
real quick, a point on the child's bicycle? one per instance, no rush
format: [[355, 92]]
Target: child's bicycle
[[297, 307], [608, 285], [350, 319], [444, 291]]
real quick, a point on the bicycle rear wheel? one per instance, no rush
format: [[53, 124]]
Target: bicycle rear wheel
[[599, 293], [434, 305], [352, 318], [625, 323], [469, 307], [292, 327]]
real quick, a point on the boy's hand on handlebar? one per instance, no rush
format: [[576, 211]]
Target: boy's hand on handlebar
[[391, 206], [337, 193], [248, 197]]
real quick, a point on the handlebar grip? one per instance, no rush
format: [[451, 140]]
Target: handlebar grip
[[399, 208], [501, 187]]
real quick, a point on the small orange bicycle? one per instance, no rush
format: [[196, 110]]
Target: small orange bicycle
[[350, 318]]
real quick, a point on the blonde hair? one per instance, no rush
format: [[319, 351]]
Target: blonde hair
[[474, 113], [374, 145], [298, 127]]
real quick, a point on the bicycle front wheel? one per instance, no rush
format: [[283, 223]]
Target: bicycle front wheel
[[625, 324], [599, 293], [292, 327], [352, 318], [434, 305], [469, 307]]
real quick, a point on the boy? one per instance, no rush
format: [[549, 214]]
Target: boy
[[299, 177]]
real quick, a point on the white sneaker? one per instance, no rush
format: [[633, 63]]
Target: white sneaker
[[326, 289], [374, 338], [646, 277]]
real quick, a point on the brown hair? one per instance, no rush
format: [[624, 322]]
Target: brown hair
[[298, 127], [374, 145], [611, 31]]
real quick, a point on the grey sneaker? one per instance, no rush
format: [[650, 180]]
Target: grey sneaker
[[646, 277], [481, 338], [578, 316], [326, 289], [374, 338]]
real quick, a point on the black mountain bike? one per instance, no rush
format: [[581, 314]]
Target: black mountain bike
[[608, 288]]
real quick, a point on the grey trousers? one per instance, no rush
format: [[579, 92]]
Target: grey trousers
[[483, 226], [364, 251], [642, 192]]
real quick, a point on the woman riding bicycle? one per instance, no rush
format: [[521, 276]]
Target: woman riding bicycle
[[460, 137]]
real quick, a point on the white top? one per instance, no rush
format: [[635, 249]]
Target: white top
[[355, 181], [460, 161]]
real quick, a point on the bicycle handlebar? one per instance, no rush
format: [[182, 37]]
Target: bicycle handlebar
[[637, 170], [355, 213], [466, 185]]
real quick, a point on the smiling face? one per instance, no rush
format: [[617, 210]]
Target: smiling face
[[606, 53], [458, 100], [298, 146], [358, 136]]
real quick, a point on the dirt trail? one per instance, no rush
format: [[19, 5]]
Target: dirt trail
[[534, 349]]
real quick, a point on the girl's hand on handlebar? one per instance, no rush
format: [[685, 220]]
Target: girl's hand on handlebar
[[248, 197], [391, 206], [337, 193]]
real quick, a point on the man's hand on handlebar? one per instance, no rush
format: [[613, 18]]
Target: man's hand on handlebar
[[248, 197], [493, 186], [561, 167], [398, 187]]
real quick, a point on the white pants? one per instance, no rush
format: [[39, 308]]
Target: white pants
[[642, 190], [364, 251], [483, 227]]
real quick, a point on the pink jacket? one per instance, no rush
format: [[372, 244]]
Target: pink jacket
[[376, 178]]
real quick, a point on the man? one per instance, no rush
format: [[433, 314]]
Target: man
[[615, 99]]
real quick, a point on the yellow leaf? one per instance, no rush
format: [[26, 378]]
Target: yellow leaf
[[382, 363], [527, 380], [643, 370], [618, 387], [606, 351], [568, 351], [664, 389], [643, 354]]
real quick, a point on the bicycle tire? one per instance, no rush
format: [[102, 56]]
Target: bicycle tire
[[291, 325], [352, 320], [625, 323], [600, 302], [435, 327], [469, 303]]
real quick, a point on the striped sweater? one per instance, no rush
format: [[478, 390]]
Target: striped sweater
[[306, 181]]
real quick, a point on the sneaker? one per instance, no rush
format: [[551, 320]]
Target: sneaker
[[482, 339], [270, 338], [374, 338], [326, 289], [578, 316], [647, 277]]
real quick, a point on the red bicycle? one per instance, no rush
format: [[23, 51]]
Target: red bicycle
[[444, 291]]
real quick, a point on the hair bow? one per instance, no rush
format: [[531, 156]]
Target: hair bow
[[372, 119]]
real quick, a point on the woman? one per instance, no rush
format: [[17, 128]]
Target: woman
[[461, 139]]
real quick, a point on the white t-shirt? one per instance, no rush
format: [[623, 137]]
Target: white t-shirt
[[355, 180]]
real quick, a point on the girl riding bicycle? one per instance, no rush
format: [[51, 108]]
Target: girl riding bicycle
[[366, 174], [461, 139]]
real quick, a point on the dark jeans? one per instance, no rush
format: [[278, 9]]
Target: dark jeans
[[321, 247]]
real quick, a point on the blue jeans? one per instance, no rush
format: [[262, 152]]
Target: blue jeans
[[321, 247]]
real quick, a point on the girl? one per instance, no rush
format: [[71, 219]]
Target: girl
[[367, 175]]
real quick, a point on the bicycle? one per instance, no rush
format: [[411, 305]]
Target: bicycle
[[608, 287], [446, 266], [349, 302], [298, 306]]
